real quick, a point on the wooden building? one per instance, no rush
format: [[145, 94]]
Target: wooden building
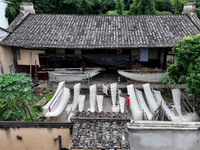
[[55, 40]]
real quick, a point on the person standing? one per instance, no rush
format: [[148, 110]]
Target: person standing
[[108, 87], [127, 103], [119, 92]]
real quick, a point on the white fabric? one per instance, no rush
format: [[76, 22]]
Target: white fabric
[[115, 108], [100, 102], [81, 102], [121, 104], [105, 89], [93, 94], [73, 74], [153, 105], [136, 111], [77, 89], [113, 93], [169, 113], [69, 116], [144, 106], [145, 77], [68, 108], [60, 104], [55, 96], [176, 94]]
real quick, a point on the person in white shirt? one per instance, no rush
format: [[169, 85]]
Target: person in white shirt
[[119, 92]]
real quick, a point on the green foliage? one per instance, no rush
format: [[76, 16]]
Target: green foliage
[[146, 7], [102, 6], [178, 6], [198, 4], [187, 58], [133, 8], [110, 7], [198, 12], [119, 6], [167, 80], [52, 7], [47, 96], [35, 111], [112, 12], [14, 89], [164, 5], [164, 13], [37, 107], [12, 10], [127, 4]]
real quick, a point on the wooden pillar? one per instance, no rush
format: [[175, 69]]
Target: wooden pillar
[[30, 64], [164, 59], [83, 64]]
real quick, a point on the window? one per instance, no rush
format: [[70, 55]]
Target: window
[[144, 54]]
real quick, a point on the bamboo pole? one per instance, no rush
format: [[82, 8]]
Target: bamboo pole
[[29, 111]]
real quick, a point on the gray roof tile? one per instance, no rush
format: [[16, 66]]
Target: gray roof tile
[[102, 31]]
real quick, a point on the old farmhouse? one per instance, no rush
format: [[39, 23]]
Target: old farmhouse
[[119, 41]]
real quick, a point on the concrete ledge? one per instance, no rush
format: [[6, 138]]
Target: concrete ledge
[[164, 125], [17, 124]]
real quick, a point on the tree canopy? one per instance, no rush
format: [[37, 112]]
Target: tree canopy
[[187, 62], [110, 7], [164, 5], [145, 7]]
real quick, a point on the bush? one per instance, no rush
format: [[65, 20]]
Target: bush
[[47, 96], [37, 107], [164, 13]]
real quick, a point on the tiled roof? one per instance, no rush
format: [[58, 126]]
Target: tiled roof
[[101, 130], [195, 20], [101, 31], [17, 21]]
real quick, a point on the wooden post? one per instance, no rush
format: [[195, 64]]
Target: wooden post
[[83, 64], [25, 111], [164, 60], [29, 111], [30, 64], [35, 69]]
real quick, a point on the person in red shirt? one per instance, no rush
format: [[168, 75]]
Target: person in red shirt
[[127, 103]]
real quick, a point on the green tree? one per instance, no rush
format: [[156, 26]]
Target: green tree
[[119, 5], [102, 6], [127, 4], [14, 90], [52, 7], [146, 7], [164, 5], [164, 13], [187, 60], [198, 12], [178, 6], [12, 10]]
